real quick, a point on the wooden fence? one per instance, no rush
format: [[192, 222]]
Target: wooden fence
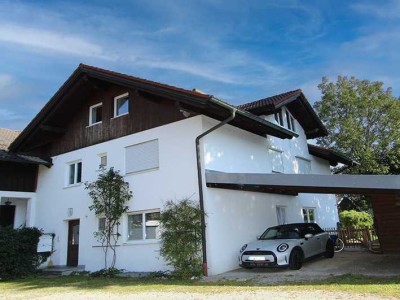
[[354, 237]]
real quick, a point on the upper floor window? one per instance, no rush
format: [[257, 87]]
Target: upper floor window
[[279, 117], [95, 114], [281, 215], [141, 157], [302, 166], [102, 160], [121, 105], [144, 226], [75, 173], [276, 160], [285, 119]]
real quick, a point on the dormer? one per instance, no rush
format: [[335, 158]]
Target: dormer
[[286, 108]]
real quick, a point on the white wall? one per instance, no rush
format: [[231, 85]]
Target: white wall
[[23, 206], [175, 179], [237, 217]]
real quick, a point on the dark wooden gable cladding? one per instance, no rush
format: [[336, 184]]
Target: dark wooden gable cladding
[[146, 111], [18, 177]]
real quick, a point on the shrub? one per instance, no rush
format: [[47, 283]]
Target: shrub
[[352, 218], [18, 252], [181, 238]]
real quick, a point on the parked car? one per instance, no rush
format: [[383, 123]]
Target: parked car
[[286, 245]]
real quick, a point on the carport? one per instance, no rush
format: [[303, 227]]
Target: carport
[[383, 190]]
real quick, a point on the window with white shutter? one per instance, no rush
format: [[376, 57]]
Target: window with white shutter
[[142, 157]]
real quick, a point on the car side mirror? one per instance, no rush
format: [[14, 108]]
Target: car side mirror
[[308, 236], [258, 237]]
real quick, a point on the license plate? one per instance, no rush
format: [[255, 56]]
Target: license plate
[[256, 258]]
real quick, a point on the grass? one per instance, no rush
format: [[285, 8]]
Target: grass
[[41, 287]]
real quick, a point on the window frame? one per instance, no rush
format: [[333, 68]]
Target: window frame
[[297, 158], [91, 123], [101, 155], [305, 211], [279, 118], [279, 210], [144, 238], [125, 95], [77, 175], [274, 150], [156, 166]]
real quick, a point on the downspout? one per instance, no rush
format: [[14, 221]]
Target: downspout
[[200, 183]]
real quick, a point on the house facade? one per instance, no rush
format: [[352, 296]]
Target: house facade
[[147, 131]]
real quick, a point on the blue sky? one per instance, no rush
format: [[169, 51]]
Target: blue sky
[[238, 50]]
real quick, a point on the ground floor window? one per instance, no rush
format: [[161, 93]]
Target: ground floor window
[[144, 225], [281, 215], [309, 215]]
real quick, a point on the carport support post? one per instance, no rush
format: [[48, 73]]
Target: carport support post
[[200, 183]]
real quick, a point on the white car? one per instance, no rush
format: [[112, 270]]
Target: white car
[[286, 245]]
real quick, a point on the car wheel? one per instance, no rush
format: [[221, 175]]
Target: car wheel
[[296, 259], [330, 249]]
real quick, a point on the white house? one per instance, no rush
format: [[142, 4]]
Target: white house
[[149, 132]]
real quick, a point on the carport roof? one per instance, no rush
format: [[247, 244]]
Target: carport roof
[[292, 184]]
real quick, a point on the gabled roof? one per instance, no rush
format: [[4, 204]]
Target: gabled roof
[[19, 158], [193, 101], [297, 104], [334, 157], [7, 136]]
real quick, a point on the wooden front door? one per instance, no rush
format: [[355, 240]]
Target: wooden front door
[[7, 215], [73, 243]]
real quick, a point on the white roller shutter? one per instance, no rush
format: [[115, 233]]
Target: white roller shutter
[[141, 157]]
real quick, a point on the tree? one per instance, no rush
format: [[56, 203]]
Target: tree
[[363, 122], [109, 195], [181, 237], [357, 219]]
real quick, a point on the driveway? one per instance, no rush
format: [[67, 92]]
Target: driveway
[[345, 262]]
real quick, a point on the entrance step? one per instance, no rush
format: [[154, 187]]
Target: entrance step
[[62, 270]]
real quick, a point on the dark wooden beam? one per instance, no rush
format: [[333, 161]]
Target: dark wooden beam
[[52, 129]]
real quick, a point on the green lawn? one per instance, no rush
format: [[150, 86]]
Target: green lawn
[[42, 287]]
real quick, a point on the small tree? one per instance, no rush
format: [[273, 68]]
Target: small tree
[[357, 219], [181, 237], [109, 194]]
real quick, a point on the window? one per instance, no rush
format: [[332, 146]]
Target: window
[[102, 160], [302, 166], [280, 119], [281, 214], [144, 226], [290, 121], [309, 215], [276, 160], [75, 173], [102, 224], [95, 114], [121, 105], [141, 157]]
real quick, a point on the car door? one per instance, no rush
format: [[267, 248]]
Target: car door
[[311, 246]]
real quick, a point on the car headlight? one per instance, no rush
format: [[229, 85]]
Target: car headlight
[[243, 248], [282, 247]]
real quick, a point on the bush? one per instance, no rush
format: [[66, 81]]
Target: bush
[[357, 219], [181, 238], [18, 252]]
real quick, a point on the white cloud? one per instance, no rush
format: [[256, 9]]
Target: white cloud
[[51, 41], [387, 10]]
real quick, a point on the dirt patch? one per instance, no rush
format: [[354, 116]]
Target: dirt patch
[[346, 262]]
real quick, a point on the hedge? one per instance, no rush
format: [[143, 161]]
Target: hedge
[[18, 252]]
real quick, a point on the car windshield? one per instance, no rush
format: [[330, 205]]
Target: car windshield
[[281, 233]]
